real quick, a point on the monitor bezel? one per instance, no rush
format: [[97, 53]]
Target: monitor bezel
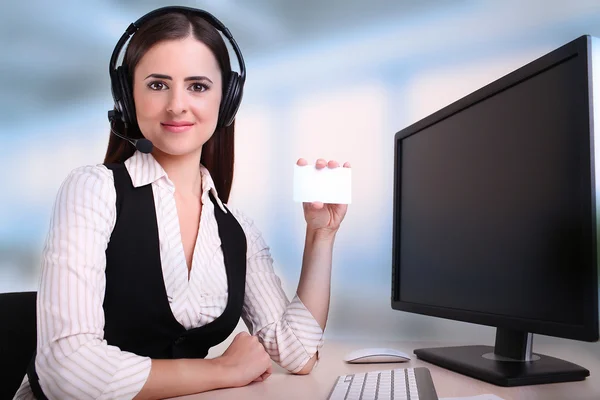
[[588, 331]]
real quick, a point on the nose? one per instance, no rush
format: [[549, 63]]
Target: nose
[[177, 101]]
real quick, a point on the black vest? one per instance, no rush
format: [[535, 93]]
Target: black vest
[[138, 316]]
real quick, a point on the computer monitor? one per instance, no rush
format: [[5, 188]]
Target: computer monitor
[[495, 217]]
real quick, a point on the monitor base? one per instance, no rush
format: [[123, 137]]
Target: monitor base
[[479, 362]]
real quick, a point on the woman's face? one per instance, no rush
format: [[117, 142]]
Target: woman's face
[[177, 93]]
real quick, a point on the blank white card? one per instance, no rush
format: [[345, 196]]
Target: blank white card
[[328, 185]]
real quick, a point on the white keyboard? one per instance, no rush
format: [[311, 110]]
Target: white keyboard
[[395, 384]]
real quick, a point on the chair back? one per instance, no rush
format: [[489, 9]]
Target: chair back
[[17, 339]]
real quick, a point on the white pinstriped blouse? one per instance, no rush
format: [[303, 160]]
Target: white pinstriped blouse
[[73, 359]]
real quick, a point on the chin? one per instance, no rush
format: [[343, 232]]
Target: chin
[[179, 144], [177, 149]]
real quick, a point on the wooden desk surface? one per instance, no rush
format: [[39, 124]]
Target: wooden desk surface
[[317, 385]]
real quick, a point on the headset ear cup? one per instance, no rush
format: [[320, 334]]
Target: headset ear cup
[[128, 105], [117, 113], [231, 101], [225, 101]]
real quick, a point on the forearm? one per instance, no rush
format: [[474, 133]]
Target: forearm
[[291, 332], [172, 378], [315, 278]]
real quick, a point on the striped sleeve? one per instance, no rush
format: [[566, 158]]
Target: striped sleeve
[[73, 359], [287, 330]]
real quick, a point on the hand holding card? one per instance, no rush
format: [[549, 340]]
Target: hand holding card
[[324, 190]]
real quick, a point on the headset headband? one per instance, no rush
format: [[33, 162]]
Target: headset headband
[[133, 27]]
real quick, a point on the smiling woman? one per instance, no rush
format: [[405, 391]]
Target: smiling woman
[[146, 267], [201, 65]]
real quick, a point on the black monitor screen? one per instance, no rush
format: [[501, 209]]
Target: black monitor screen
[[495, 203]]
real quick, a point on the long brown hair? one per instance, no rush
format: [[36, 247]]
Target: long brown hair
[[218, 151]]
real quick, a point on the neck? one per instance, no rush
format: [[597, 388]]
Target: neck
[[183, 171]]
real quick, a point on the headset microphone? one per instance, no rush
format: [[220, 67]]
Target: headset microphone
[[143, 145]]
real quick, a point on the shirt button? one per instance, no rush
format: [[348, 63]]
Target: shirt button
[[179, 340]]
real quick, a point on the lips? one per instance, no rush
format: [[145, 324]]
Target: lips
[[177, 123], [176, 126]]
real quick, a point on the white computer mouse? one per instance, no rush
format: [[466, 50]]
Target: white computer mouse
[[376, 355]]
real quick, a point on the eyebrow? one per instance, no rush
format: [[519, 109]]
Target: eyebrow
[[189, 78]]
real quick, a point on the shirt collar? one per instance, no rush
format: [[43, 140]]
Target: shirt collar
[[208, 185], [144, 169]]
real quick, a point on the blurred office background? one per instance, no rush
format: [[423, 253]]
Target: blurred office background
[[334, 79]]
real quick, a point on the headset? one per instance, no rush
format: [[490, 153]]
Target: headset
[[124, 107]]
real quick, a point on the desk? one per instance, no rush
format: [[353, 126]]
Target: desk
[[317, 385]]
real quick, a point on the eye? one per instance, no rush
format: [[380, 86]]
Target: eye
[[156, 85], [199, 87]]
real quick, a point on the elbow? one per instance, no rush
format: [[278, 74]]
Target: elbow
[[53, 369], [308, 367], [50, 376], [304, 371], [56, 370]]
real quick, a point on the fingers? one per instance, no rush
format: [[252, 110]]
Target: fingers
[[317, 205], [242, 334], [322, 163], [265, 376]]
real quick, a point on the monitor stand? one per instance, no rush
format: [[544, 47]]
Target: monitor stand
[[509, 363]]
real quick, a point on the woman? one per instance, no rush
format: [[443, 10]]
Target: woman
[[145, 268]]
